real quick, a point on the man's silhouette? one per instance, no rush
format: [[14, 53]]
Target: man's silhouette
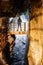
[[19, 23]]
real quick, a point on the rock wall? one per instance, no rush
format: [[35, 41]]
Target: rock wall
[[35, 53]]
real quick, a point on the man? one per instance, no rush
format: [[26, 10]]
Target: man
[[19, 23]]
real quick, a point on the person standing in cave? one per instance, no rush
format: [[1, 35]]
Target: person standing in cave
[[19, 23]]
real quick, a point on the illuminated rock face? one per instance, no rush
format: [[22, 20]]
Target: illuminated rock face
[[35, 54], [3, 40], [3, 32]]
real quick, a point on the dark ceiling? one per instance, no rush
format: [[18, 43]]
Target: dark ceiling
[[12, 7]]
